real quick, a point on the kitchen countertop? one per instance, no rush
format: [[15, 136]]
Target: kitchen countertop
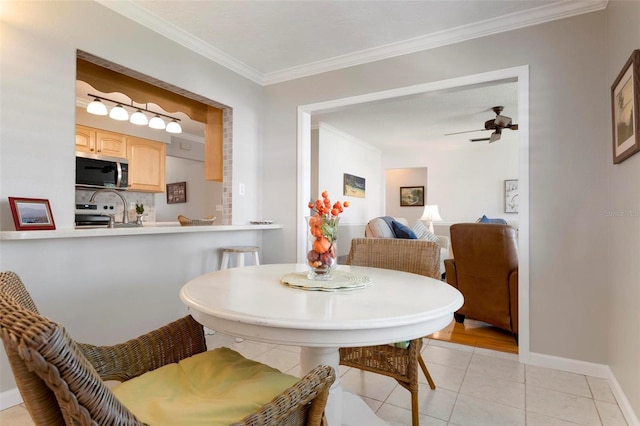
[[146, 229]]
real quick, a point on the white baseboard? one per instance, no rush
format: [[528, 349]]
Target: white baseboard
[[10, 398], [588, 369]]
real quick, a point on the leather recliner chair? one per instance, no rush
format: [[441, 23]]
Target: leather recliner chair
[[485, 270]]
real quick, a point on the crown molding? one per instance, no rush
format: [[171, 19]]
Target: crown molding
[[138, 14], [530, 17]]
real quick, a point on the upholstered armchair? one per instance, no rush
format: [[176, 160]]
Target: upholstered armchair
[[485, 270]]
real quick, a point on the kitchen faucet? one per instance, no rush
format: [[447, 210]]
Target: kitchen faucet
[[125, 216]]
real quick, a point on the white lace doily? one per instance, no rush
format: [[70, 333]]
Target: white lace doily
[[342, 281]]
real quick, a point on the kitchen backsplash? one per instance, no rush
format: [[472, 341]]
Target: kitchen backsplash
[[132, 197]]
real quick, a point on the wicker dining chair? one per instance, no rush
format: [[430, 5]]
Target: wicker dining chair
[[61, 381], [415, 256]]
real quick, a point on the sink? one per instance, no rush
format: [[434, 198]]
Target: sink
[[127, 225]]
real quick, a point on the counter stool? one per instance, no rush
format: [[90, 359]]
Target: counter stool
[[239, 252]]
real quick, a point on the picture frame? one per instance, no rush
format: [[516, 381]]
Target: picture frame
[[625, 107], [31, 214], [176, 192], [353, 186], [412, 196], [511, 196]]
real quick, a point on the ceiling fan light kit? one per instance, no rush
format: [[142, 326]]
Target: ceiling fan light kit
[[138, 117], [495, 124]]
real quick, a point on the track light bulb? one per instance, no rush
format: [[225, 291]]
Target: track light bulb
[[97, 108], [119, 113], [157, 123], [139, 118], [174, 127]]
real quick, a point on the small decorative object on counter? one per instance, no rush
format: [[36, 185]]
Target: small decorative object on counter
[[185, 221], [139, 213], [322, 250]]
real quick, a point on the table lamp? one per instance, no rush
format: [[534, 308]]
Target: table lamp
[[431, 214]]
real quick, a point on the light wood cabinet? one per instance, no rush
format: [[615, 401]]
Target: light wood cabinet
[[96, 141], [147, 162]]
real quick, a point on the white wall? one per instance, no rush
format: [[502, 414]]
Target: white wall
[[397, 178], [465, 181], [202, 195], [129, 283], [622, 218], [337, 153], [341, 153]]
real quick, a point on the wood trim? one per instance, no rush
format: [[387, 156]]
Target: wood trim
[[213, 145], [108, 81]]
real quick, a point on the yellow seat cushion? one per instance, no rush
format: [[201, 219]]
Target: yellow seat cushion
[[217, 387]]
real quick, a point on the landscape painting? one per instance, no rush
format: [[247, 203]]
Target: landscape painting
[[354, 186]]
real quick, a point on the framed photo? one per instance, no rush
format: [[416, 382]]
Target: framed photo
[[31, 214], [354, 186], [176, 192], [511, 200], [411, 196], [625, 103]]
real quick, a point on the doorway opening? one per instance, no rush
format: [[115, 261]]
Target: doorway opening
[[518, 74]]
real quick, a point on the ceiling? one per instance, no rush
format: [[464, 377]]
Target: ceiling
[[275, 41]]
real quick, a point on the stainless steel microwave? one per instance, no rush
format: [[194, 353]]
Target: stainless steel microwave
[[97, 171]]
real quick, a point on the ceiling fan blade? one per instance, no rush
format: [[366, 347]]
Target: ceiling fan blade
[[479, 140], [466, 131], [513, 127]]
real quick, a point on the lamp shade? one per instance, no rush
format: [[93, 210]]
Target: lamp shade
[[157, 123], [139, 118], [97, 108], [431, 214], [174, 127], [119, 113]]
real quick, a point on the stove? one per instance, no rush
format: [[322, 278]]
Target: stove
[[93, 214]]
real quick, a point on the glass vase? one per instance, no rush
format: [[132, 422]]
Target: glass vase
[[322, 246]]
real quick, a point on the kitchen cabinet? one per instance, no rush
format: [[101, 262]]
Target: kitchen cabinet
[[96, 141], [147, 163]]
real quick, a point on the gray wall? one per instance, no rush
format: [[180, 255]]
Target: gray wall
[[567, 185], [622, 285]]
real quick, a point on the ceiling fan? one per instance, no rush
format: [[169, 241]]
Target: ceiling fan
[[495, 124]]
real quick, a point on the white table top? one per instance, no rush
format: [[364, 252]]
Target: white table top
[[251, 302]]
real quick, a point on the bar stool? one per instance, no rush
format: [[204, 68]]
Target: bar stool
[[238, 252]]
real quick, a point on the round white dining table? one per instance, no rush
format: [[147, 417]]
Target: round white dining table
[[252, 303]]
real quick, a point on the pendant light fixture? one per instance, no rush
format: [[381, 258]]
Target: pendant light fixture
[[174, 127], [97, 108], [119, 113], [157, 122], [138, 117]]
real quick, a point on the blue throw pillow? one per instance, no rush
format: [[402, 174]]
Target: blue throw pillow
[[485, 219], [402, 231]]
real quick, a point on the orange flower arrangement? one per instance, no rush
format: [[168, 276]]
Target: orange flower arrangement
[[323, 228]]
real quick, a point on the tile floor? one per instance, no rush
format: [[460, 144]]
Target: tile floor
[[475, 387]]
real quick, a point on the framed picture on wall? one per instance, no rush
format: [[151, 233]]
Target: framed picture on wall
[[625, 103], [31, 214], [354, 186], [176, 192], [411, 196], [511, 200]]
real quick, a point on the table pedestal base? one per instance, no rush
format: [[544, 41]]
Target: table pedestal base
[[343, 408]]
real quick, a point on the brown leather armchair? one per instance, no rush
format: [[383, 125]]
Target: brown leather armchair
[[485, 270]]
